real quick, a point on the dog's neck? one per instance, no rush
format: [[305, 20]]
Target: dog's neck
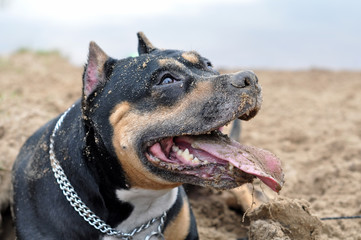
[[102, 161], [147, 204], [137, 206]]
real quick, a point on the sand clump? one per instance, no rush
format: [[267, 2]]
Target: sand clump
[[284, 218]]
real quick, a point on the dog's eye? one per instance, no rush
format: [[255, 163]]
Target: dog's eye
[[209, 65], [167, 79]]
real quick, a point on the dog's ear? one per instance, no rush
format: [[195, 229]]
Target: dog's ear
[[94, 74], [144, 45]]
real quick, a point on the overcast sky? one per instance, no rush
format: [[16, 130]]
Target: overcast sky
[[282, 34]]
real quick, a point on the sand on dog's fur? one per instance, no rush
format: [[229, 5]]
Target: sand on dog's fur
[[310, 119]]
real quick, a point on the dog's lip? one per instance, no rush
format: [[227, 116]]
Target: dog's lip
[[151, 142], [244, 116]]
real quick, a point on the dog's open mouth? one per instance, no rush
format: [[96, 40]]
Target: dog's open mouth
[[214, 157]]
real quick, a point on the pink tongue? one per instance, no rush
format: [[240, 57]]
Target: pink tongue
[[255, 161]]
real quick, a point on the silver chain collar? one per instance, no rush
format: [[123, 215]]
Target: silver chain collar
[[80, 207]]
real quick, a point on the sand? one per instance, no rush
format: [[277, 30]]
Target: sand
[[310, 119]]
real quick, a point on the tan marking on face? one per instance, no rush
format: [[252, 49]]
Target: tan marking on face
[[191, 57], [180, 113], [169, 61], [128, 124], [178, 228], [120, 111]]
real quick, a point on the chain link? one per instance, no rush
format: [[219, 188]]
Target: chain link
[[80, 207]]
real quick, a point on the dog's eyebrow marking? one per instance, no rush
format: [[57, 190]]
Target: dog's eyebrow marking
[[119, 113], [191, 57], [170, 61]]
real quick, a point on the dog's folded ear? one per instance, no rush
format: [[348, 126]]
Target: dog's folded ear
[[144, 45], [94, 74]]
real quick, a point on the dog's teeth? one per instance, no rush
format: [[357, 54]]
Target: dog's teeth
[[189, 158], [187, 155], [205, 162], [230, 167], [186, 151], [196, 161]]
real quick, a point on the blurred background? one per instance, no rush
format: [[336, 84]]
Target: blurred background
[[262, 34], [311, 119]]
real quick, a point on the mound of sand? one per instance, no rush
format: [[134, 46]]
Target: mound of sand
[[284, 219], [310, 119]]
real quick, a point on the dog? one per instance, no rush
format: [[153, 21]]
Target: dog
[[112, 166]]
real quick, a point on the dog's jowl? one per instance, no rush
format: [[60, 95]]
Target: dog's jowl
[[112, 165]]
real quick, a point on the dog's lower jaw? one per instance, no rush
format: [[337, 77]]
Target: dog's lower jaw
[[147, 204]]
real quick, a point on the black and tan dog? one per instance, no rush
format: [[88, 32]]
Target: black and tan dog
[[144, 126]]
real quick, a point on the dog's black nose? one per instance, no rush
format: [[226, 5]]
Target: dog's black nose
[[244, 79]]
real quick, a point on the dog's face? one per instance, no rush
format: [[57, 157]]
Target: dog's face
[[160, 113]]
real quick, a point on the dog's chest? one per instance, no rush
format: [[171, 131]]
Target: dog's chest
[[148, 204]]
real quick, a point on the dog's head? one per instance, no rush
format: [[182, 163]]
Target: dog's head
[[160, 114]]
